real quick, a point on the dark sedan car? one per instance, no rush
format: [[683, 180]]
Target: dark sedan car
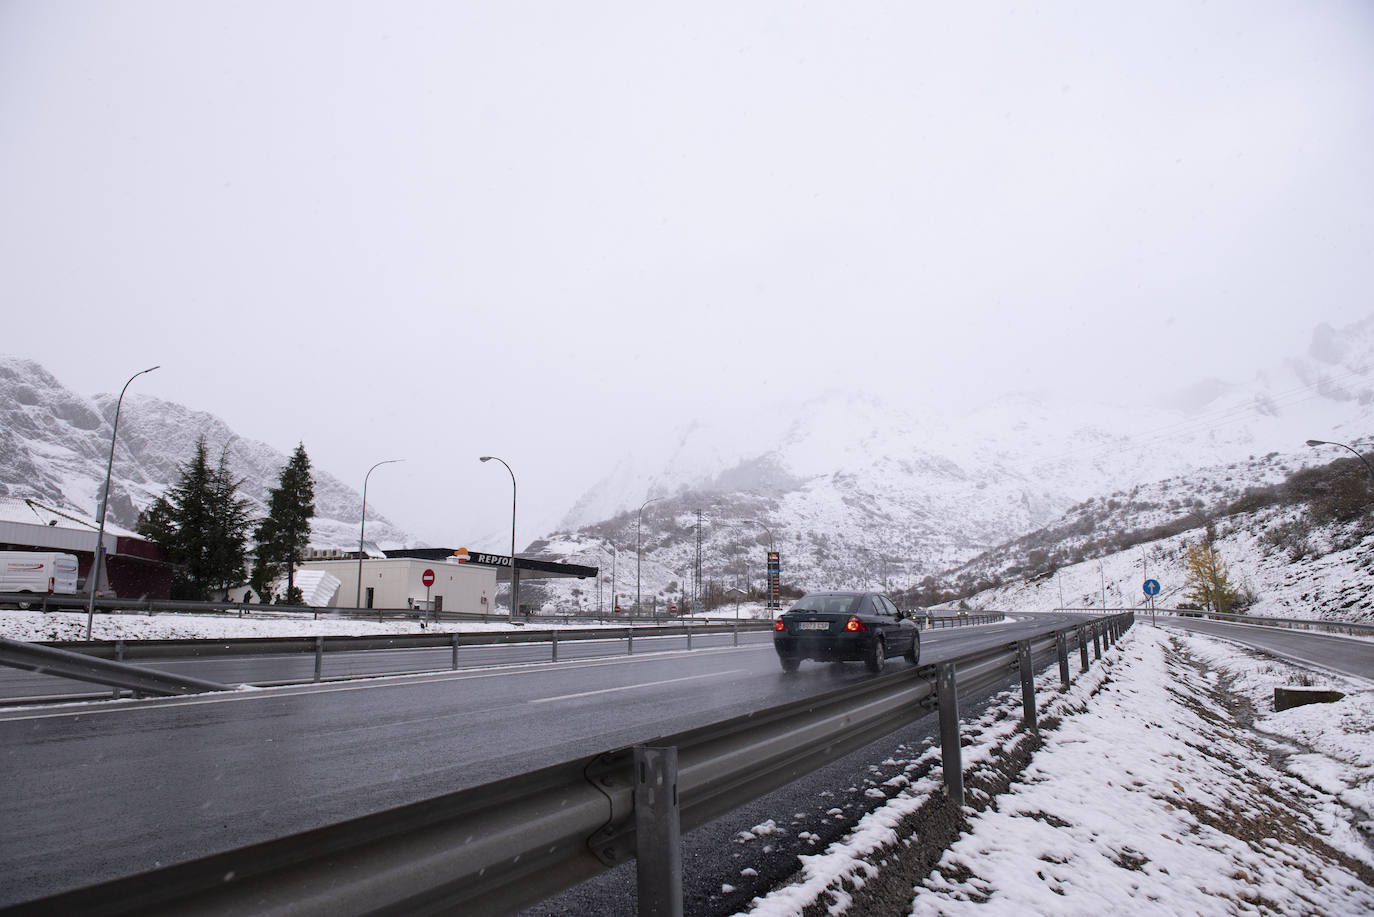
[[844, 627]]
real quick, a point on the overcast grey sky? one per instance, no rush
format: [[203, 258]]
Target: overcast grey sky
[[438, 230]]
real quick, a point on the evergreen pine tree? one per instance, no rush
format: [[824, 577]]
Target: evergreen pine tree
[[284, 535], [228, 535], [202, 524]]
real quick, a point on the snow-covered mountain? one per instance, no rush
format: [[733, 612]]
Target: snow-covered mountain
[[54, 445], [855, 490], [1288, 554]]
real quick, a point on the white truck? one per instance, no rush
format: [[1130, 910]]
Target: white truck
[[38, 571]]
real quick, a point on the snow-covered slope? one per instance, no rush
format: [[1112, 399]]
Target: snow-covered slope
[[54, 445], [1289, 561], [856, 490]]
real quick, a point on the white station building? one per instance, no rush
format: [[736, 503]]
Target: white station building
[[439, 579]]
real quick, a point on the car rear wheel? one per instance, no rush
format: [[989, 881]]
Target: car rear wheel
[[875, 657], [790, 663]]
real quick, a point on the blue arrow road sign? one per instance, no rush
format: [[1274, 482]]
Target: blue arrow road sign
[[1152, 587]]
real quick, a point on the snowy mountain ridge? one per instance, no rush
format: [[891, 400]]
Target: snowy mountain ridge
[[54, 446]]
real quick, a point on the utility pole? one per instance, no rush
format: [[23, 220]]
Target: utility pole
[[696, 575]]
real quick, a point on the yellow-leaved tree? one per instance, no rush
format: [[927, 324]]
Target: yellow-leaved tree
[[1208, 585]]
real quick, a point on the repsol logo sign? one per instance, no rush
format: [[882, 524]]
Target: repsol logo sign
[[490, 560]]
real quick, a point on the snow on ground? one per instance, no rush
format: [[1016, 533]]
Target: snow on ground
[[1165, 787], [1332, 586], [36, 626]]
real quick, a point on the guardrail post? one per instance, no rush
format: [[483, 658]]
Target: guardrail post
[[1097, 641], [455, 649], [689, 635], [319, 657], [736, 633], [630, 641], [554, 641], [1083, 647], [1061, 646], [119, 657], [1023, 656], [951, 755], [658, 832]]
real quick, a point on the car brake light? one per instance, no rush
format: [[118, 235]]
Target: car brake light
[[52, 583], [854, 625], [778, 625]]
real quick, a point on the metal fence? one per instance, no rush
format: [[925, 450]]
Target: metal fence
[[505, 845]]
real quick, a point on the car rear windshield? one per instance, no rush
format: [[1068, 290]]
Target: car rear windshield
[[827, 604]]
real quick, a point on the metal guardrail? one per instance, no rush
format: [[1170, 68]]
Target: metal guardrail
[[321, 646], [505, 845], [59, 602], [114, 673], [35, 657], [1352, 628], [262, 646], [123, 651], [958, 620]]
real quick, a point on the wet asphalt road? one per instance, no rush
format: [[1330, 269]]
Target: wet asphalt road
[[1343, 655], [102, 790]]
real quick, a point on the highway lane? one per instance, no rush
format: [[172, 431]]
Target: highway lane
[[114, 788], [1344, 655], [272, 669]]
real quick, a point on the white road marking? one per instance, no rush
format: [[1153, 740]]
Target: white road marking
[[646, 684]]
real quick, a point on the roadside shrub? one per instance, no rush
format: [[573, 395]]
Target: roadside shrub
[[1338, 492]]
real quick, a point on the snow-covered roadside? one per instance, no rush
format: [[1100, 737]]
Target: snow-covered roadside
[[1332, 586], [66, 625], [1162, 788]]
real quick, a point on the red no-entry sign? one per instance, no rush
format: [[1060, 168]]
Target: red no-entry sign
[[427, 578]]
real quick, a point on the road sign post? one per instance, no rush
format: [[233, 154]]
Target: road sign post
[[1151, 588]]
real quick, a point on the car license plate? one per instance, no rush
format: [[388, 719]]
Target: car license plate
[[814, 625]]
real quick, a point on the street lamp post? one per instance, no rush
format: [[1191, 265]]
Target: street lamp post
[[639, 556], [1322, 442], [514, 574], [615, 554], [766, 530], [362, 529], [94, 576]]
